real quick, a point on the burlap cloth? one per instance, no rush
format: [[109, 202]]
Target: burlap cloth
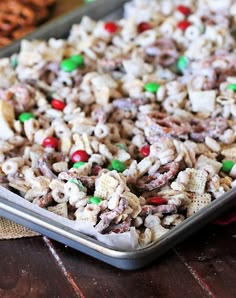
[[11, 230]]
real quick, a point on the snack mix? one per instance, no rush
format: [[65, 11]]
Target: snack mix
[[127, 124]]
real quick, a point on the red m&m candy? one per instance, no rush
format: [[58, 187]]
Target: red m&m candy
[[58, 104], [157, 201], [50, 142], [111, 27], [145, 150], [79, 155], [183, 25], [144, 26], [185, 10]]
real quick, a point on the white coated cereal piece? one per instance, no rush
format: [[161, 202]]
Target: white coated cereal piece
[[102, 95], [61, 129], [105, 151], [134, 67], [138, 140], [177, 186], [120, 43], [212, 144], [7, 117], [5, 146], [161, 93], [101, 131], [151, 221], [145, 238], [233, 110], [132, 87], [82, 142], [192, 32], [154, 168], [175, 201], [58, 192], [137, 222], [146, 38], [167, 7], [200, 98], [59, 209], [157, 232], [181, 182], [132, 170], [31, 126], [172, 220], [218, 5], [226, 182], [228, 137], [105, 186], [41, 134], [232, 173], [198, 202], [104, 80], [122, 155], [74, 195], [83, 170], [19, 185], [197, 181], [133, 202], [33, 193], [209, 165], [144, 165], [113, 201], [61, 166], [17, 141], [89, 213], [29, 54], [2, 157], [214, 184], [11, 165], [97, 159], [7, 74], [224, 100], [17, 126], [40, 182], [232, 10], [230, 153], [65, 144]]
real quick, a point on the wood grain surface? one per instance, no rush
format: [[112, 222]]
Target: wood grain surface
[[202, 266]]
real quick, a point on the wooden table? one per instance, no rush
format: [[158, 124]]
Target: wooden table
[[203, 266]]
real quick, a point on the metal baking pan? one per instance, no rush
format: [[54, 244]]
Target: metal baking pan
[[30, 216]]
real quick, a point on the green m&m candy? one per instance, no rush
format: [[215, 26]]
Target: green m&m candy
[[95, 200], [72, 63], [78, 164], [110, 168], [117, 165], [68, 65], [78, 59], [25, 116], [231, 87], [227, 166], [182, 63], [151, 87]]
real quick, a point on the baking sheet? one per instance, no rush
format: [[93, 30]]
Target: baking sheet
[[63, 230]]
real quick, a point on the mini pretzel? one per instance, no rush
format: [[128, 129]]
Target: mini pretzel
[[18, 18]]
